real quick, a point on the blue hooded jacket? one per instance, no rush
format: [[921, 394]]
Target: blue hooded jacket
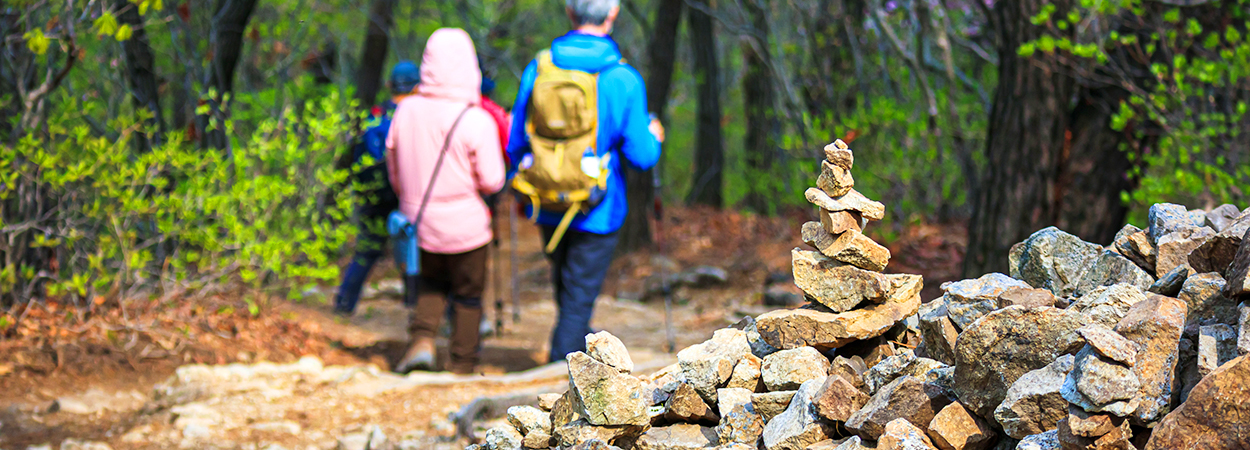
[[623, 123]]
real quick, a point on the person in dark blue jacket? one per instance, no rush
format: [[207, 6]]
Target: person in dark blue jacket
[[580, 261], [379, 199]]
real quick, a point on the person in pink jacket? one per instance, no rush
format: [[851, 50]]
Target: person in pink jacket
[[452, 221]]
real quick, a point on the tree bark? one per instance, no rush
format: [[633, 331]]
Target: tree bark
[[759, 103], [639, 186], [230, 19], [141, 73], [1096, 169], [373, 54], [1025, 143], [709, 157]]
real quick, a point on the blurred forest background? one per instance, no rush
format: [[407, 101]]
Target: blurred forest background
[[157, 147]]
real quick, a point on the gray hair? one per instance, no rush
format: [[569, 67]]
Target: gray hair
[[591, 12]]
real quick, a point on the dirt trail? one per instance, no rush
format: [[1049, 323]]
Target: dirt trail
[[344, 389]]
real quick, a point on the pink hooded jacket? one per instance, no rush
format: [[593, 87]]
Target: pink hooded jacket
[[457, 220]]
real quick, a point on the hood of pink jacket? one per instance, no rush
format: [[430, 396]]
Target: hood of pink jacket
[[449, 67]]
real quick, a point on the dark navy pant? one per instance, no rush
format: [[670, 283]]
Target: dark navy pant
[[578, 266], [370, 245]]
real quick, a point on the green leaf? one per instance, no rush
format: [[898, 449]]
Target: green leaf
[[36, 41], [106, 24], [124, 32]]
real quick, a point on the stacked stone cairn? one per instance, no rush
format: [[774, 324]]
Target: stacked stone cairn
[[1138, 345]]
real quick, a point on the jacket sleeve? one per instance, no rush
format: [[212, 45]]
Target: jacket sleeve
[[640, 148], [488, 165], [518, 140]]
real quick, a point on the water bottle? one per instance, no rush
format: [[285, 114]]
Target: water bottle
[[404, 235]]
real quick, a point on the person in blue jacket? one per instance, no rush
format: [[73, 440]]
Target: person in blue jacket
[[379, 199], [626, 130]]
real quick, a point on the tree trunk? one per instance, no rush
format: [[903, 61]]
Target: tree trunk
[[230, 19], [1025, 143], [759, 103], [1096, 169], [141, 73], [709, 155], [639, 186]]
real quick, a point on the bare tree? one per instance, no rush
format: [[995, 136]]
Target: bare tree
[[759, 102], [230, 19], [709, 157], [141, 71]]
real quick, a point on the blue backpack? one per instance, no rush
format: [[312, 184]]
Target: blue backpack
[[373, 141]]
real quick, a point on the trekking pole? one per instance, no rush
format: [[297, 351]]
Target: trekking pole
[[512, 265], [496, 274], [665, 286]]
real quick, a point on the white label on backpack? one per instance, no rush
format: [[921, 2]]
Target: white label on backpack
[[593, 164], [527, 161]]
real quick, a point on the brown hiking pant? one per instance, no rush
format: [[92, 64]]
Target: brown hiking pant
[[460, 278]]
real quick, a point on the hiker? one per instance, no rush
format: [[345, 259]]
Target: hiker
[[444, 156], [569, 157], [379, 199]]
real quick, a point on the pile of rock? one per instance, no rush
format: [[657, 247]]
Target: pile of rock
[[1081, 347]]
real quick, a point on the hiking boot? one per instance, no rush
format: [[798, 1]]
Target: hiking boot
[[420, 356]]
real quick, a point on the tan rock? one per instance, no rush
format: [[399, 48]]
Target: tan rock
[[1238, 283], [605, 396], [1174, 248], [851, 247], [1135, 245], [1119, 438], [741, 424], [838, 222], [834, 180], [746, 374], [537, 439], [548, 401], [838, 399], [1214, 416], [770, 404], [836, 285], [1155, 324], [852, 201], [786, 370], [685, 405], [1026, 297], [1091, 425], [902, 435], [906, 397], [579, 431], [608, 349], [840, 155], [677, 437], [794, 328], [798, 426], [956, 428], [1110, 344], [937, 331]]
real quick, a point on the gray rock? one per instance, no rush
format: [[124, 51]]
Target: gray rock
[[788, 369], [1107, 305], [1221, 217], [772, 404], [1111, 268], [1041, 441], [1165, 218], [1170, 283], [852, 201], [731, 398], [498, 438], [1206, 301], [1238, 283], [1033, 403], [1243, 333], [708, 366], [999, 348], [807, 327], [852, 369], [741, 424], [1216, 254], [834, 284], [605, 396], [540, 439], [677, 437], [937, 331], [799, 426], [564, 410], [759, 348], [906, 397], [1174, 248], [905, 363], [1110, 344], [968, 300], [838, 399], [1053, 260], [528, 418], [607, 349], [902, 435], [1097, 384], [1027, 297], [1217, 344]]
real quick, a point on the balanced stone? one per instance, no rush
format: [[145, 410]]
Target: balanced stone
[[999, 348], [834, 180], [805, 327], [840, 155], [852, 201], [838, 222], [850, 247], [836, 285]]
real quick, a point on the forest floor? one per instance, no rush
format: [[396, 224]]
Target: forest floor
[[115, 378]]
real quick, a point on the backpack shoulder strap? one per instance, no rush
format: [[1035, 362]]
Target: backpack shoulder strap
[[442, 155]]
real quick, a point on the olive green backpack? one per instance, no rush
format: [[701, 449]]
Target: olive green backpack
[[563, 124]]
